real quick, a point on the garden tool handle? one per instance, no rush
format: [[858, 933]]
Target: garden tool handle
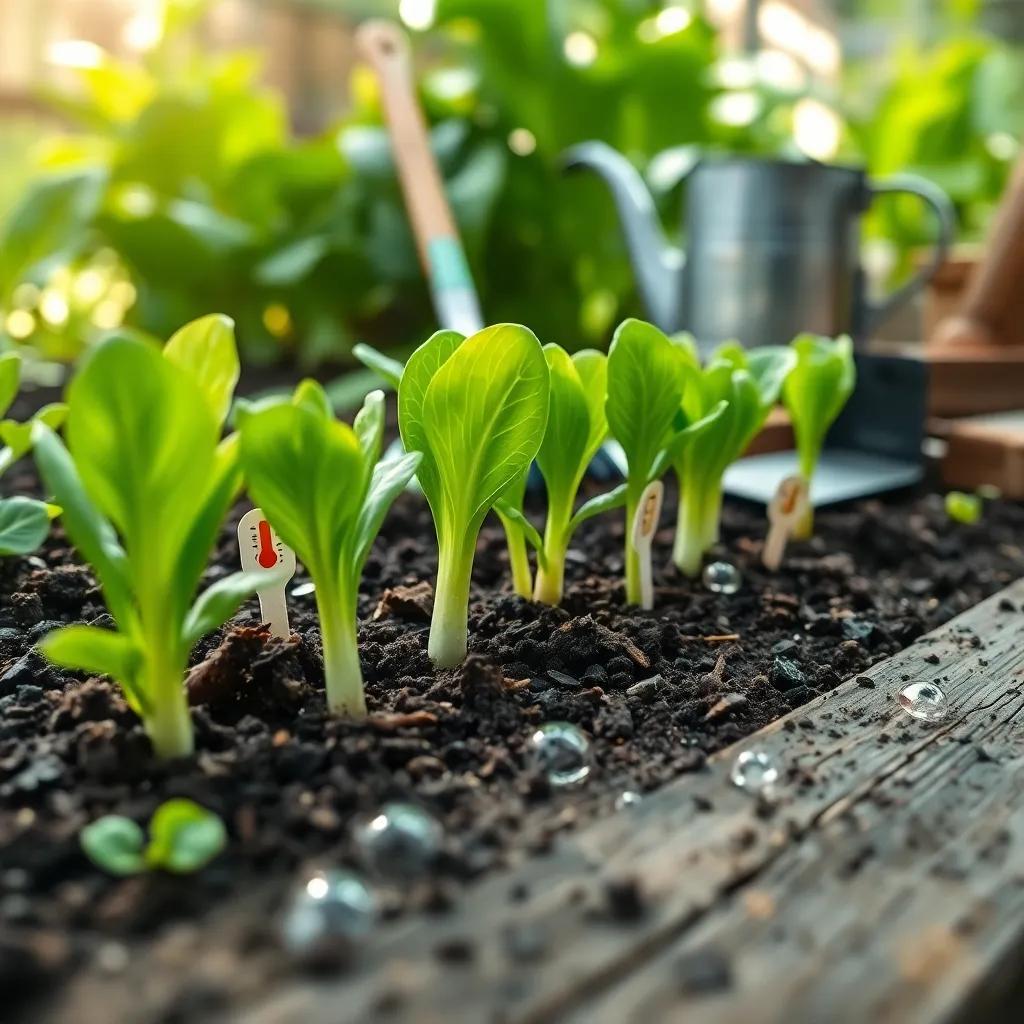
[[993, 292], [384, 47], [945, 216]]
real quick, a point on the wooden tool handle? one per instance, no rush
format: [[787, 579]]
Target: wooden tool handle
[[384, 47], [994, 293]]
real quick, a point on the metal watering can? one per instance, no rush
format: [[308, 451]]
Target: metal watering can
[[772, 246]]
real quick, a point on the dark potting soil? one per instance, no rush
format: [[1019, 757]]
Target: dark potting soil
[[655, 692]]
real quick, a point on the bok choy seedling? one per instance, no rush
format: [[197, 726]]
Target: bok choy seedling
[[144, 484], [748, 381], [322, 488], [648, 377], [815, 391], [391, 370], [476, 410], [24, 522], [577, 426]]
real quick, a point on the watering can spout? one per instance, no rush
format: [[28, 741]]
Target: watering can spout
[[658, 266]]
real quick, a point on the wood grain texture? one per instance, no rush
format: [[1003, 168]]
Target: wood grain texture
[[884, 882]]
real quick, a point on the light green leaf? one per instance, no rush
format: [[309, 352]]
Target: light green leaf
[[481, 421], [205, 348], [389, 479], [612, 499], [816, 390], [310, 394], [369, 426], [509, 511], [645, 391], [309, 477], [100, 651], [220, 601], [114, 844], [10, 378], [390, 370], [184, 837], [24, 524]]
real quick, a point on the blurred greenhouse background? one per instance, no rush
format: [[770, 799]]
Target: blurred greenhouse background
[[166, 158]]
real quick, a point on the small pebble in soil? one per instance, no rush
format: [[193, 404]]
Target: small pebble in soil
[[755, 771], [303, 589], [329, 910], [924, 701], [627, 798], [561, 752], [401, 842], [721, 578]]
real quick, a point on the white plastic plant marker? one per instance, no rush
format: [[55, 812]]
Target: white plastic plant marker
[[785, 510], [645, 525], [262, 551]]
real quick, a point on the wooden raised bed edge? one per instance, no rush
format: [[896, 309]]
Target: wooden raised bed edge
[[885, 883]]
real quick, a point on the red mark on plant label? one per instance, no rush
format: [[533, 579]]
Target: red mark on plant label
[[267, 556]]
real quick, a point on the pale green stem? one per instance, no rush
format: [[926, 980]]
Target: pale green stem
[[343, 675], [696, 524], [550, 584], [449, 631], [633, 591], [168, 723], [518, 560]]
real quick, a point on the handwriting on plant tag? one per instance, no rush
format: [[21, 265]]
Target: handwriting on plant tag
[[785, 510], [262, 551], [645, 524]]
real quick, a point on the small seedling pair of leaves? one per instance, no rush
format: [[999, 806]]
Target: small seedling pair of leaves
[[144, 484], [814, 392], [183, 837], [322, 488], [748, 382], [577, 427], [648, 377], [391, 371], [476, 409], [24, 522]]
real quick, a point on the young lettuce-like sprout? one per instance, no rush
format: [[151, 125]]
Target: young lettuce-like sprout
[[648, 377], [814, 392], [24, 522], [323, 489], [476, 410], [391, 370], [144, 485], [749, 382], [577, 426]]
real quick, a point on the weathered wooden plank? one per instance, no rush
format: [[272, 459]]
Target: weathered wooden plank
[[835, 905]]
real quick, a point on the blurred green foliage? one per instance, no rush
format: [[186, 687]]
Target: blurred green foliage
[[183, 185]]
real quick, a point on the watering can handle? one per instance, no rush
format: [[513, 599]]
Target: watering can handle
[[945, 215]]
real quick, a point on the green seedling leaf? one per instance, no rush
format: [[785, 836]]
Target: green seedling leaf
[[24, 524], [205, 349], [184, 837], [577, 427], [814, 392], [647, 378], [10, 378], [724, 408], [323, 491], [963, 508], [115, 844], [476, 410], [388, 369], [144, 484], [613, 499]]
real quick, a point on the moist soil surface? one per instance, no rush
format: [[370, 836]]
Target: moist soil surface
[[655, 693]]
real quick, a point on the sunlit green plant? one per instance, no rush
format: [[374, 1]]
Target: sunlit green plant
[[322, 487], [577, 426], [183, 837], [648, 377], [476, 408], [964, 508], [144, 484], [509, 510], [749, 381], [815, 391], [24, 522]]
